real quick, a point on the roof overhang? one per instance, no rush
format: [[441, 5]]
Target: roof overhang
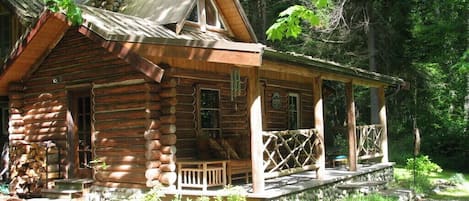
[[307, 66], [38, 42], [32, 48]]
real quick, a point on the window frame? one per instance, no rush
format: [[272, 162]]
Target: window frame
[[200, 109], [298, 111], [202, 23]]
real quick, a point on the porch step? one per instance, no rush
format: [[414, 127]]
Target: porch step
[[71, 189], [73, 184], [62, 194]]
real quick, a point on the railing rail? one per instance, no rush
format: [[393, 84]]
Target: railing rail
[[369, 141], [290, 151]]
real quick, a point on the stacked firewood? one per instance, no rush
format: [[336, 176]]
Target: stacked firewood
[[32, 166]]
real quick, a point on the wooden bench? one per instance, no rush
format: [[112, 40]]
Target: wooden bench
[[201, 174], [239, 169]]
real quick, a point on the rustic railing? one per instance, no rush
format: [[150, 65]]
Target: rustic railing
[[369, 141], [290, 151]]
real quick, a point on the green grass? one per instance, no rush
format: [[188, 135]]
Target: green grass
[[404, 179], [371, 197]]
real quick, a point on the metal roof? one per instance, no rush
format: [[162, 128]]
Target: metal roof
[[159, 11]]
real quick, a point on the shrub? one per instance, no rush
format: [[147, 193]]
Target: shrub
[[423, 165], [457, 179]]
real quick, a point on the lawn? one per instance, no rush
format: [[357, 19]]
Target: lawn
[[445, 185]]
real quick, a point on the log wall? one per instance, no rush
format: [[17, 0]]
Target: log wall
[[122, 101], [277, 119], [234, 119]]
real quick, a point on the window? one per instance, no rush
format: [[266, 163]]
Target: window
[[207, 10], [5, 33], [209, 112], [293, 111], [81, 113]]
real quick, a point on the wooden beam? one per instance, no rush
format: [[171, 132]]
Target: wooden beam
[[257, 152], [155, 52], [383, 122], [351, 127], [319, 123]]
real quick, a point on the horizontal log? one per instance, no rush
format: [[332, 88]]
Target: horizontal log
[[168, 167], [120, 89], [120, 99], [15, 86], [167, 158], [113, 124], [132, 132], [165, 102], [38, 138], [153, 145], [169, 83], [44, 116], [124, 176], [120, 142], [123, 159], [152, 174], [168, 139], [132, 113], [152, 135], [168, 128], [153, 155], [168, 93], [168, 119], [125, 167], [168, 178], [153, 124], [141, 104], [167, 110], [16, 136], [57, 108], [46, 124], [168, 149], [152, 164], [44, 131]]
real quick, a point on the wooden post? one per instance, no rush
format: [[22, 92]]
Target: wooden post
[[351, 127], [257, 159], [382, 121], [319, 124]]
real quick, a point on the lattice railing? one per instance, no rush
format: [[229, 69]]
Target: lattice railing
[[291, 151], [369, 141]]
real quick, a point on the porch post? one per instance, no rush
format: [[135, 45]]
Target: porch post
[[257, 160], [319, 123], [382, 121], [351, 127]]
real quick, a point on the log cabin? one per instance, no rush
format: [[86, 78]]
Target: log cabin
[[176, 94]]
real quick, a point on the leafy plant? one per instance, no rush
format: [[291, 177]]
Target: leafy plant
[[371, 197], [422, 165], [69, 7]]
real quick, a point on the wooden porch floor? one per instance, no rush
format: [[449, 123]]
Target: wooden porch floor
[[285, 185]]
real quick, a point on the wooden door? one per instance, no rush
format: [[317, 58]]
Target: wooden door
[[80, 146]]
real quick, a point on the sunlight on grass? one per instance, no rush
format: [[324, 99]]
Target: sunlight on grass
[[404, 178]]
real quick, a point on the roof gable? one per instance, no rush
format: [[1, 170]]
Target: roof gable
[[159, 11]]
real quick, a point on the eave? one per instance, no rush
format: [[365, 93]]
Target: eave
[[307, 66], [29, 51]]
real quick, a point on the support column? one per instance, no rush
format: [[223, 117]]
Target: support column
[[319, 124], [254, 100], [382, 121], [351, 127]]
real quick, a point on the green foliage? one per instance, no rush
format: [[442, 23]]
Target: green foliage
[[371, 197], [155, 194], [235, 193], [289, 23], [69, 7], [422, 165]]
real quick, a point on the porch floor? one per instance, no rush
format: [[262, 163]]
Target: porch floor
[[285, 185]]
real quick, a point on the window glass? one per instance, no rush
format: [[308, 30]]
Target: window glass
[[210, 112], [293, 108], [211, 13]]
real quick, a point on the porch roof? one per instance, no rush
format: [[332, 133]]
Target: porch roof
[[331, 70]]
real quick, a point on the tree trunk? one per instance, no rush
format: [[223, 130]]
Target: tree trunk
[[374, 110]]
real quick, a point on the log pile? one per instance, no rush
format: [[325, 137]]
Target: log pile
[[33, 167]]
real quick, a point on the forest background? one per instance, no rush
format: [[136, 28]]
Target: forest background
[[425, 42]]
